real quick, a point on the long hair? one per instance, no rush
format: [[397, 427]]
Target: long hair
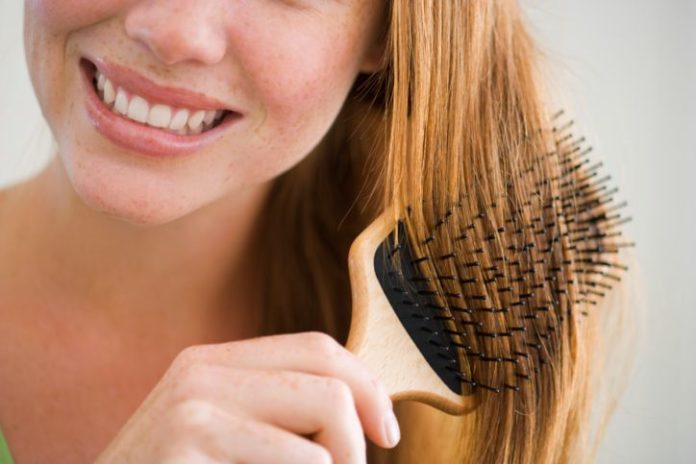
[[454, 110]]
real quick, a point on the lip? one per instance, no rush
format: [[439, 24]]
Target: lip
[[155, 93], [143, 139]]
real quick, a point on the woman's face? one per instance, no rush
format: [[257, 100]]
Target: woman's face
[[278, 70]]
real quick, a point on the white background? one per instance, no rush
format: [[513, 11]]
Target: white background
[[629, 68]]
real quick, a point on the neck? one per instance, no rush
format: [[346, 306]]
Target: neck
[[193, 272]]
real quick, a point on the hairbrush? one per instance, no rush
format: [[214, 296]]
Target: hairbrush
[[429, 324]]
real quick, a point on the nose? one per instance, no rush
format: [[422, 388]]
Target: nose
[[179, 30]]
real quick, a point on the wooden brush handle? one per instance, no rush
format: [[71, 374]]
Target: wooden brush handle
[[379, 339]]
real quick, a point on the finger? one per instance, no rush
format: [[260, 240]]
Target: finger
[[214, 435], [306, 404], [314, 353]]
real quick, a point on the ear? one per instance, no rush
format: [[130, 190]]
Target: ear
[[376, 58]]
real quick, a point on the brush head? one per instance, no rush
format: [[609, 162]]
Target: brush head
[[493, 310]]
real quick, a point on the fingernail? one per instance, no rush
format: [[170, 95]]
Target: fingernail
[[391, 429]]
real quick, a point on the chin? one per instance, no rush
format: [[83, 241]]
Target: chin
[[143, 201], [139, 213]]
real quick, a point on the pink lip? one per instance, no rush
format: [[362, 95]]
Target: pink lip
[[149, 140], [154, 93]]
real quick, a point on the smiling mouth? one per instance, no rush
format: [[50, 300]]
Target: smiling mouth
[[150, 119], [149, 112]]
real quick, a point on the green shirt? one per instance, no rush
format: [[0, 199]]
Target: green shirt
[[5, 456]]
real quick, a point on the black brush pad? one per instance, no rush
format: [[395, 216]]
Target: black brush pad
[[411, 305]]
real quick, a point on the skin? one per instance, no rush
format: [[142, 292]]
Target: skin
[[117, 256]]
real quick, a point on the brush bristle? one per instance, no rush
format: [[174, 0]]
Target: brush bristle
[[515, 274]]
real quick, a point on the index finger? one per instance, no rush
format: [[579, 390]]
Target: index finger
[[319, 354]]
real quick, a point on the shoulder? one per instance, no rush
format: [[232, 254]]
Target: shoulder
[[8, 191], [5, 195]]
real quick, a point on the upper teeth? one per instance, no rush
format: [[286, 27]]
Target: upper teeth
[[183, 121]]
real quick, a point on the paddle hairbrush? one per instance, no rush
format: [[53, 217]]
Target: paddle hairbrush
[[431, 325]]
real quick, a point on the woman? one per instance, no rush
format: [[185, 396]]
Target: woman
[[170, 278]]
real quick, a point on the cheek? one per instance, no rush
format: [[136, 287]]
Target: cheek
[[62, 16], [300, 80], [47, 26]]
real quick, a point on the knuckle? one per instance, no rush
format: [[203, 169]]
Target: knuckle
[[194, 413], [317, 454], [338, 392], [193, 354], [323, 343], [190, 382], [188, 424]]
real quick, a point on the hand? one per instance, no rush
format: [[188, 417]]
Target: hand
[[292, 398]]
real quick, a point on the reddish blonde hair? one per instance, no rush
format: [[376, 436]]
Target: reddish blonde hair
[[451, 112]]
